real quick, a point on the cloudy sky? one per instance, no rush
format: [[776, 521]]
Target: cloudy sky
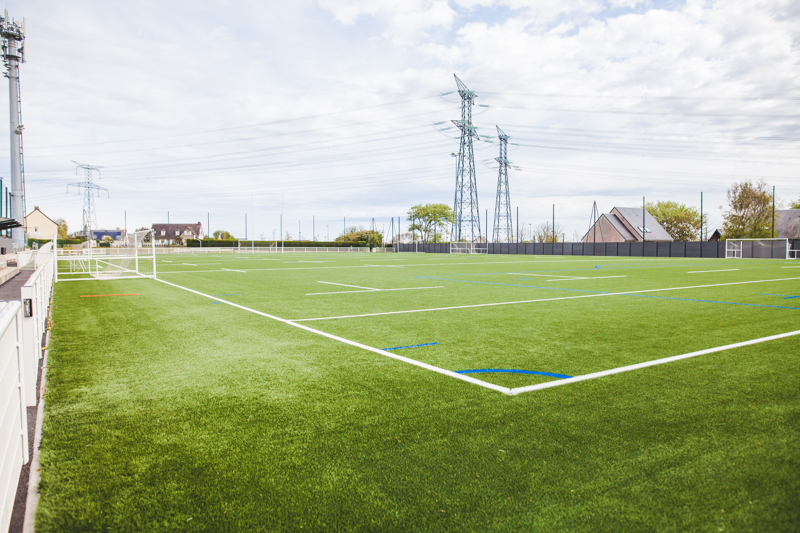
[[327, 108]]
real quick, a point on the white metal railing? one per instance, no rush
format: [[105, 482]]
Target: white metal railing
[[22, 327], [13, 415], [35, 302]]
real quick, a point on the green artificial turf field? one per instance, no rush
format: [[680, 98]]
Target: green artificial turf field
[[259, 393]]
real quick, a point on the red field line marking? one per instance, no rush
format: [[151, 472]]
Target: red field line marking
[[99, 295]]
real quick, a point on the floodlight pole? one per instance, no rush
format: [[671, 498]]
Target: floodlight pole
[[701, 216], [773, 211]]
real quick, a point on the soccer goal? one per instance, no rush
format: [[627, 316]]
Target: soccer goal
[[469, 248], [133, 257], [757, 249]]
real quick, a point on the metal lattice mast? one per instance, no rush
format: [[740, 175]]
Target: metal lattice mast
[[503, 228], [13, 35], [90, 190], [467, 224]]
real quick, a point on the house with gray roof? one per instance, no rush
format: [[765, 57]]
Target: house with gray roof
[[625, 224]]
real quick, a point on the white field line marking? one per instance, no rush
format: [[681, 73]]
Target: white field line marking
[[374, 290], [637, 366], [387, 266], [343, 285], [591, 277], [539, 300], [231, 270], [190, 264], [792, 267], [124, 278], [541, 275], [504, 390], [165, 261], [703, 271]]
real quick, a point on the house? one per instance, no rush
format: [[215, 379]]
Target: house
[[715, 237], [116, 234], [787, 223], [624, 224], [176, 233], [40, 226]]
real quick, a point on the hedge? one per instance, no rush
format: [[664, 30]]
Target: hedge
[[219, 243]]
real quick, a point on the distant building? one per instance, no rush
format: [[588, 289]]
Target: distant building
[[787, 223], [40, 226], [173, 233], [716, 236], [624, 224], [116, 234]]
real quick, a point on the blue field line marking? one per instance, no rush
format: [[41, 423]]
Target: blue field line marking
[[604, 292], [414, 346], [790, 297], [508, 371]]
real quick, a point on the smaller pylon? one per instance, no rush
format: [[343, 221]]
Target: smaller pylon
[[503, 225], [90, 190]]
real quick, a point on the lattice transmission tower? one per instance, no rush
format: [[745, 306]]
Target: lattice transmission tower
[[467, 226], [90, 190], [12, 35], [503, 226]]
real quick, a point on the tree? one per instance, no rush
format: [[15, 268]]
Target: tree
[[108, 238], [431, 221], [544, 232], [749, 213], [795, 205], [681, 222], [358, 234], [62, 228], [223, 235]]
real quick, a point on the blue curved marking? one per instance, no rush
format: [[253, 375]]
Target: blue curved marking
[[509, 371], [414, 346]]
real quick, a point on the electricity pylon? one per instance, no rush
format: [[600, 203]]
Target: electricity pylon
[[90, 190], [467, 226], [12, 35], [503, 226]]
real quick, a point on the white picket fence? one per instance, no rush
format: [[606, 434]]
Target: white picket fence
[[22, 326]]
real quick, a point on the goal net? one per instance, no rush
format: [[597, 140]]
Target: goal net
[[757, 249], [469, 248], [133, 256]]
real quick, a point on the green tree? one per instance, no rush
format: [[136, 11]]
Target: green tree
[[795, 205], [749, 213], [223, 235], [681, 222], [62, 228], [431, 221], [357, 234]]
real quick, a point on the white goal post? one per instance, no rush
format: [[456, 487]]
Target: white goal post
[[757, 249], [133, 257]]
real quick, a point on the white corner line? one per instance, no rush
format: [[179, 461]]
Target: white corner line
[[590, 277], [704, 271], [449, 373], [594, 375], [232, 270]]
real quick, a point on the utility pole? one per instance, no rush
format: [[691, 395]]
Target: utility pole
[[502, 206], [90, 190], [467, 224], [12, 35], [773, 211]]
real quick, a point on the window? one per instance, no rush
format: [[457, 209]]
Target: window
[[163, 232], [646, 229], [36, 230], [177, 232], [188, 232]]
